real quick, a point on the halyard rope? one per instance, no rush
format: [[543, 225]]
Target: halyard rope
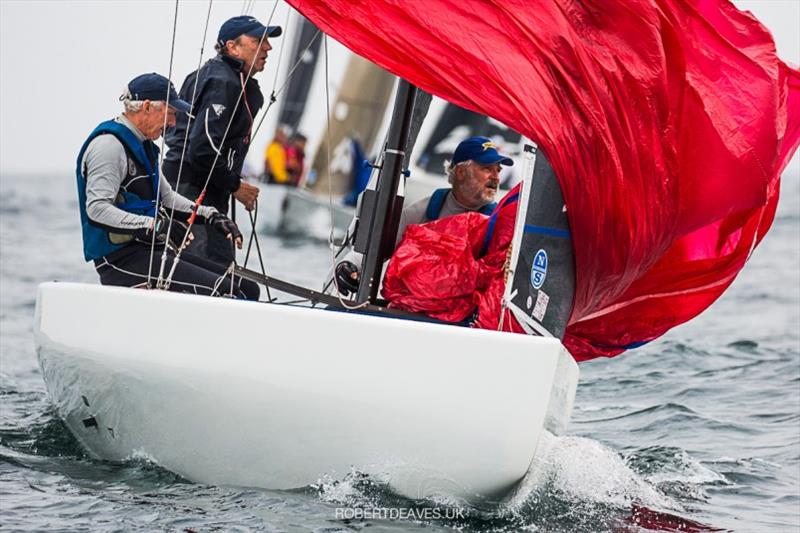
[[216, 158], [161, 282], [161, 156]]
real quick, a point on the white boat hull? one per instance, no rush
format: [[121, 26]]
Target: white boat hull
[[306, 213], [271, 200], [252, 394]]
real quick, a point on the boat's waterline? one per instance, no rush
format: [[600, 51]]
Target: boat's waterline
[[236, 393]]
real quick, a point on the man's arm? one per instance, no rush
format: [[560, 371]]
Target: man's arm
[[171, 199], [413, 214], [105, 166], [215, 107]]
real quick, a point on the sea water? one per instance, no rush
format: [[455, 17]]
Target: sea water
[[698, 431]]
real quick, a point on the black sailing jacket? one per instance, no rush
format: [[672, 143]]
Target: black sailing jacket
[[218, 89]]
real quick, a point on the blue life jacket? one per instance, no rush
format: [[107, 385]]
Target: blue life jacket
[[97, 240], [437, 201], [493, 219]]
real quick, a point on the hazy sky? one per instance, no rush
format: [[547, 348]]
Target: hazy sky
[[64, 63]]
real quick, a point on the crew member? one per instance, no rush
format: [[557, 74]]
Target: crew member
[[225, 99], [275, 158], [295, 157], [120, 193], [474, 174]]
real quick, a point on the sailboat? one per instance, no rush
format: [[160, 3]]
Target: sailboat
[[308, 210], [434, 408], [356, 118], [283, 408]]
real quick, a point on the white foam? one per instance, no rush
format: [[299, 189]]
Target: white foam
[[344, 491], [584, 470], [140, 455], [687, 470]]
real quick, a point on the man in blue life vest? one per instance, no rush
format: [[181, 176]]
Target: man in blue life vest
[[474, 174], [121, 197], [209, 156]]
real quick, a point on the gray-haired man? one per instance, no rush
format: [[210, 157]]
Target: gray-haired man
[[120, 192]]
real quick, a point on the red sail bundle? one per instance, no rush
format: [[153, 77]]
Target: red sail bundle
[[667, 122]]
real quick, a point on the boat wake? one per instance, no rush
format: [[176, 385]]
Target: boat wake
[[574, 484]]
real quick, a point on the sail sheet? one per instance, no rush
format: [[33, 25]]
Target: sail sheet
[[667, 123]]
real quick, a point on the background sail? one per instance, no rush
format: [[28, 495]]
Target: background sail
[[455, 125], [305, 52], [667, 122], [356, 115]]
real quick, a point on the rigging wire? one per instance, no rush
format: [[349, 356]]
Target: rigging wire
[[274, 96], [253, 216], [216, 156], [278, 69], [254, 238], [342, 301], [161, 155], [161, 282]]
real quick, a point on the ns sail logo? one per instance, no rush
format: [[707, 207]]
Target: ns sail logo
[[539, 269]]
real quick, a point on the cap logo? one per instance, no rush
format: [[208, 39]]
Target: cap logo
[[488, 144]]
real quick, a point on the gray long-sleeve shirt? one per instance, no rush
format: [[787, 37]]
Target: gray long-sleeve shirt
[[106, 164], [416, 213]]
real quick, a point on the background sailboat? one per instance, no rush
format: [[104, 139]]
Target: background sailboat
[[358, 123], [356, 118]]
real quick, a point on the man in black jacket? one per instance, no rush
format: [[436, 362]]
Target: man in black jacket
[[225, 99]]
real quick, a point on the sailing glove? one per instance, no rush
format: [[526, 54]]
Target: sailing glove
[[225, 225], [159, 227], [347, 277]]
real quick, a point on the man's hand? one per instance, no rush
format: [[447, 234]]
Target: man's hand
[[247, 194], [177, 230], [347, 277], [158, 226], [227, 226]]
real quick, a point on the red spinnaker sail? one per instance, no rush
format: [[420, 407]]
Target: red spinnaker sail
[[668, 123]]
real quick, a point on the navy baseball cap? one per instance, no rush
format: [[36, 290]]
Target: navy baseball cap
[[481, 150], [154, 87], [244, 25]]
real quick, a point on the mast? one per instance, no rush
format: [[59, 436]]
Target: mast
[[381, 220]]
